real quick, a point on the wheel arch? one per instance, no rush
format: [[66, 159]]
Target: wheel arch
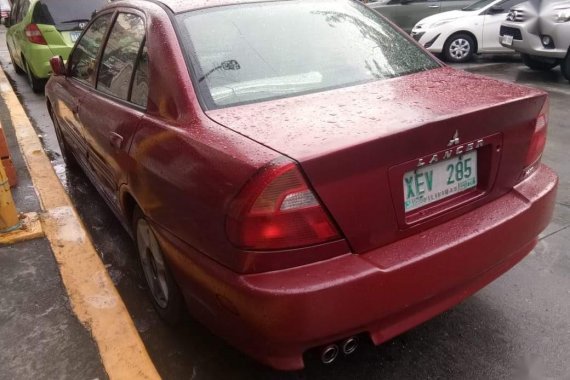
[[467, 32]]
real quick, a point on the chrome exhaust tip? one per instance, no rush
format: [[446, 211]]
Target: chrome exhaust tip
[[350, 345], [329, 353]]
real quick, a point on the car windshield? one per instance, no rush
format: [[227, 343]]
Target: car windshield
[[66, 14], [253, 52], [478, 5]]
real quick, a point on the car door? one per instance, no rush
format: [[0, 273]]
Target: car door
[[406, 13], [494, 16], [111, 114], [16, 36], [79, 82]]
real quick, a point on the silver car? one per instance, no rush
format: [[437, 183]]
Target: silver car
[[406, 13], [540, 31]]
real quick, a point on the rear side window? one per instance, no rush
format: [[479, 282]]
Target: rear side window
[[83, 61], [120, 55], [66, 15]]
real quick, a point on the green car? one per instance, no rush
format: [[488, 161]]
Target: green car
[[41, 29]]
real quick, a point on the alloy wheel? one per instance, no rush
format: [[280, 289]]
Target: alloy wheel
[[153, 264], [459, 48]]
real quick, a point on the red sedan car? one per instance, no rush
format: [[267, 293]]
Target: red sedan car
[[300, 174]]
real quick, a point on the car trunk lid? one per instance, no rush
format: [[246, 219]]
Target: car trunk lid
[[356, 145]]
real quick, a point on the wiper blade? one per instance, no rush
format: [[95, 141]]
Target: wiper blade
[[232, 64]]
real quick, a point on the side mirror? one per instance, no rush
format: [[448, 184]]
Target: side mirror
[[495, 9], [57, 65]]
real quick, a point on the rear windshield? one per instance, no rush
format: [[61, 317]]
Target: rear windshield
[[66, 14], [254, 52]]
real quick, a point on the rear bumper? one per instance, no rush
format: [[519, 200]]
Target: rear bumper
[[275, 317]]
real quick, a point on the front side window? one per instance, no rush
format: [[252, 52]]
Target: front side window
[[254, 52], [84, 58], [120, 55]]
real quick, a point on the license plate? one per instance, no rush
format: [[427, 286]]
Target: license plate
[[74, 36], [438, 181], [507, 40]]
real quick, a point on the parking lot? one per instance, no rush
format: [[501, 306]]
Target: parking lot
[[515, 328]]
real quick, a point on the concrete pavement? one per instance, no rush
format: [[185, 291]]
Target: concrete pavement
[[93, 299]]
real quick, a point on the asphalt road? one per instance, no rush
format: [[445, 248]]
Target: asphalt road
[[517, 327]]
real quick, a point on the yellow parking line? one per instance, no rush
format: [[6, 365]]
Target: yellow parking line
[[93, 296]]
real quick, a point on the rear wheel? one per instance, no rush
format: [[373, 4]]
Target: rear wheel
[[165, 294], [565, 66], [539, 64], [459, 48], [66, 153], [17, 68], [36, 83]]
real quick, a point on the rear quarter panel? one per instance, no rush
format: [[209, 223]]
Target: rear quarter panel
[[186, 168]]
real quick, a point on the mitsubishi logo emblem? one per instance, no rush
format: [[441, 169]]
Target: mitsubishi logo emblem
[[454, 140]]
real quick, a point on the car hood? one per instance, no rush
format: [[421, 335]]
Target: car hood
[[450, 15], [311, 125]]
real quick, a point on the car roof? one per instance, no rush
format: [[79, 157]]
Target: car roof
[[178, 6]]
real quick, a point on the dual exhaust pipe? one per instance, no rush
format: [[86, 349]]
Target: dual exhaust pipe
[[330, 352]]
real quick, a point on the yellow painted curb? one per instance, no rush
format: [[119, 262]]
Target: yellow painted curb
[[31, 228], [93, 296]]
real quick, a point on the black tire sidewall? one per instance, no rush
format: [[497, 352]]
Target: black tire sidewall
[[36, 84], [173, 313], [447, 55], [66, 153]]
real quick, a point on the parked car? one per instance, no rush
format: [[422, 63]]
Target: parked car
[[406, 13], [458, 35], [307, 196], [40, 29], [542, 38], [4, 10]]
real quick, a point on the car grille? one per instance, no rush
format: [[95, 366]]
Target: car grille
[[516, 33], [517, 15]]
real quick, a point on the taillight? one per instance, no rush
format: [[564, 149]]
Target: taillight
[[538, 140], [278, 210], [34, 35]]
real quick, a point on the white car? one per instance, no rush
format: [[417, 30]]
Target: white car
[[458, 35]]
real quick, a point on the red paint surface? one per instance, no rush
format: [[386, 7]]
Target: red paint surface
[[390, 271]]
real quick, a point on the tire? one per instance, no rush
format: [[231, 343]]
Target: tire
[[17, 68], [66, 153], [459, 48], [565, 66], [165, 293], [36, 83], [536, 64]]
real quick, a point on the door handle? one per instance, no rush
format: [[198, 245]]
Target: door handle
[[116, 140]]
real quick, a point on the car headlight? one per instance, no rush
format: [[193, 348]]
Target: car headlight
[[562, 15]]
